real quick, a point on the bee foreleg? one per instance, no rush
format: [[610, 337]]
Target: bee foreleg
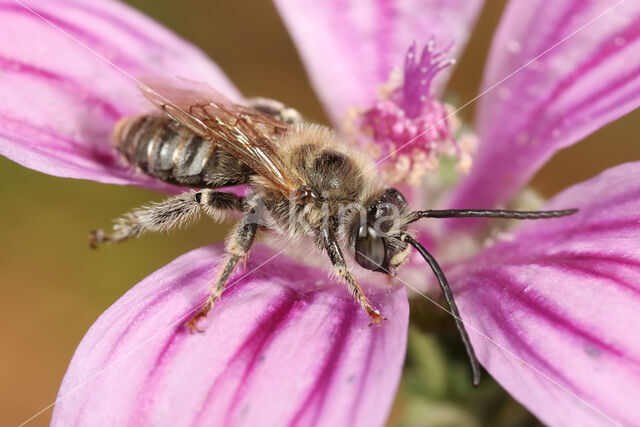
[[237, 247], [174, 212], [340, 265]]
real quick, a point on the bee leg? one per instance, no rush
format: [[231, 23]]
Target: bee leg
[[238, 245], [337, 259], [169, 214], [214, 295], [276, 109]]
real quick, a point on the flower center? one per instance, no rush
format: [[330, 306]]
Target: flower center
[[407, 129]]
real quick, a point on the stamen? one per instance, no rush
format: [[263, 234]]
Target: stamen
[[408, 124]]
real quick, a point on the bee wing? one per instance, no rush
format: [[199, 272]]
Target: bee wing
[[243, 132]]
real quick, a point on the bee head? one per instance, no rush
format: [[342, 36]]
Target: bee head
[[375, 238]]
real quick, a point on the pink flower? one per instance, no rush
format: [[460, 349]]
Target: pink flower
[[287, 345]]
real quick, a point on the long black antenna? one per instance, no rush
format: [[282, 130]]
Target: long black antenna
[[489, 213], [448, 295]]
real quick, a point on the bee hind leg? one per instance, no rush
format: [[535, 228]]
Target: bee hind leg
[[237, 248], [174, 212], [276, 109], [337, 259]]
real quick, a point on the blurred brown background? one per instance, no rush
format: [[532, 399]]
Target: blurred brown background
[[53, 287]]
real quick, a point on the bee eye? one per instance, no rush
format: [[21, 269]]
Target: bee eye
[[370, 249]]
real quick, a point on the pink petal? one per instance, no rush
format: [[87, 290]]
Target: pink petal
[[61, 100], [564, 297], [350, 47], [580, 85], [285, 345]]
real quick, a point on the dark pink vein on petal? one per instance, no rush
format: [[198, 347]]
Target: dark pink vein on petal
[[585, 104], [609, 227], [254, 346], [175, 341], [95, 43], [533, 357], [515, 340], [149, 308], [47, 143], [115, 21], [555, 33], [145, 311], [150, 385], [44, 139], [543, 41], [47, 150], [365, 376], [61, 82], [39, 14], [535, 305], [324, 378], [622, 97], [605, 51], [591, 264]]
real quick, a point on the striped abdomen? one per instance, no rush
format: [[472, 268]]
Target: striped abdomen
[[162, 148]]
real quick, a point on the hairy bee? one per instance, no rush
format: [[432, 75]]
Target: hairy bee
[[304, 181]]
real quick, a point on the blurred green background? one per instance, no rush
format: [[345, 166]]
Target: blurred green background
[[53, 287]]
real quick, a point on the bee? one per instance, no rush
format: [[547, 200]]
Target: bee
[[303, 180]]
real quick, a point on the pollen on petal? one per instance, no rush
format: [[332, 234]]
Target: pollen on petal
[[407, 128]]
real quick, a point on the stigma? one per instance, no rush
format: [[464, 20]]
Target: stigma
[[407, 129]]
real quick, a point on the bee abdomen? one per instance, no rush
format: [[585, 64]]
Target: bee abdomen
[[162, 148]]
